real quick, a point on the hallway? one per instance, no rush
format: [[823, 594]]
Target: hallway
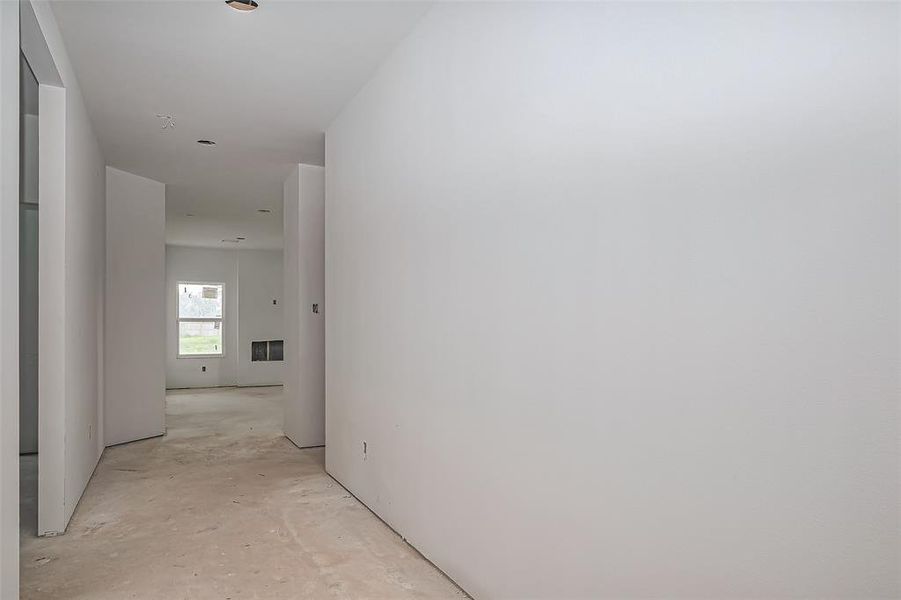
[[223, 506]]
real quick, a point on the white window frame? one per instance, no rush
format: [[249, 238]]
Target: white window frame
[[179, 320]]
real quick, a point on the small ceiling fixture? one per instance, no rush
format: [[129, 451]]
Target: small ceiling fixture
[[189, 214], [206, 142], [264, 211], [242, 5], [166, 121], [240, 238]]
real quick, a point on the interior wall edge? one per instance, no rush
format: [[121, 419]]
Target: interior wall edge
[[9, 298]]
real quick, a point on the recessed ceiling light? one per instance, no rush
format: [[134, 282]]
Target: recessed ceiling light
[[243, 5], [264, 211], [206, 142], [239, 238]]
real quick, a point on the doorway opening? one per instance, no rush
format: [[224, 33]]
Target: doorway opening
[[28, 297]]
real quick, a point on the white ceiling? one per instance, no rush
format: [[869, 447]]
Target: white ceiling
[[264, 85]]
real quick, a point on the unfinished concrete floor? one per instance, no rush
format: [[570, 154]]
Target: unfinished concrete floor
[[223, 506]]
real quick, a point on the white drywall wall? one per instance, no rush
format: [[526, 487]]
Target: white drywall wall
[[53, 402], [201, 265], [71, 279], [613, 298], [76, 224], [253, 288], [259, 284], [304, 286], [135, 395], [9, 300]]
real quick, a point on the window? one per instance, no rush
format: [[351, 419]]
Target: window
[[200, 319]]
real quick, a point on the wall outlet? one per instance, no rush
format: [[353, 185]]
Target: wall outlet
[[316, 309], [203, 368], [274, 301]]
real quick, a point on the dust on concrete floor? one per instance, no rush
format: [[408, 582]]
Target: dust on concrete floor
[[223, 506]]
